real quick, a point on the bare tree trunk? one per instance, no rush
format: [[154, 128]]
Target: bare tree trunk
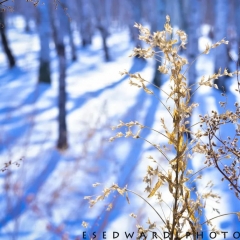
[[101, 23], [60, 19], [44, 74], [192, 47], [192, 25], [173, 10], [71, 41], [104, 30], [237, 20], [27, 22], [184, 14], [136, 10], [208, 16], [231, 29], [86, 24], [220, 32], [62, 125], [157, 25], [104, 34], [7, 50]]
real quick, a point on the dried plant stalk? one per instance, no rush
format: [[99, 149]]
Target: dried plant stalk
[[186, 210]]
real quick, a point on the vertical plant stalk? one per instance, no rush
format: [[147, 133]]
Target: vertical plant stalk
[[185, 211]]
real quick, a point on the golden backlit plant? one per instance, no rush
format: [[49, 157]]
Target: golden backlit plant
[[187, 203]]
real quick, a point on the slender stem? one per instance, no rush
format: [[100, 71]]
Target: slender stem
[[147, 203], [195, 91], [198, 172], [156, 148], [192, 63], [176, 122], [157, 131], [237, 70], [158, 88], [232, 151], [217, 166], [194, 125], [163, 105], [159, 98], [158, 59], [225, 214]]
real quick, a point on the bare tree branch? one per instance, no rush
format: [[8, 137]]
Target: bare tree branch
[[3, 1]]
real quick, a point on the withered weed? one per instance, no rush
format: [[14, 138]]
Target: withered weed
[[187, 204]]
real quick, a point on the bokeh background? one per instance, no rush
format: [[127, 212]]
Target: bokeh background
[[60, 92]]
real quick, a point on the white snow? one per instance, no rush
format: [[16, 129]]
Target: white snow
[[49, 186]]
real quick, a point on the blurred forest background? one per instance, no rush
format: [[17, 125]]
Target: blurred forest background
[[77, 38]]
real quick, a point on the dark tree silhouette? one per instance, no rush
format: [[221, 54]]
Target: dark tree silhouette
[[86, 29], [7, 50], [220, 32], [101, 24], [44, 74], [58, 19]]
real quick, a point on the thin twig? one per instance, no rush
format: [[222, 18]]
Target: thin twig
[[225, 214], [147, 203]]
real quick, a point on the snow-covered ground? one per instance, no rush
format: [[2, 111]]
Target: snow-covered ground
[[43, 198]]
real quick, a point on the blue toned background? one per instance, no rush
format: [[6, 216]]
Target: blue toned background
[[43, 198]]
